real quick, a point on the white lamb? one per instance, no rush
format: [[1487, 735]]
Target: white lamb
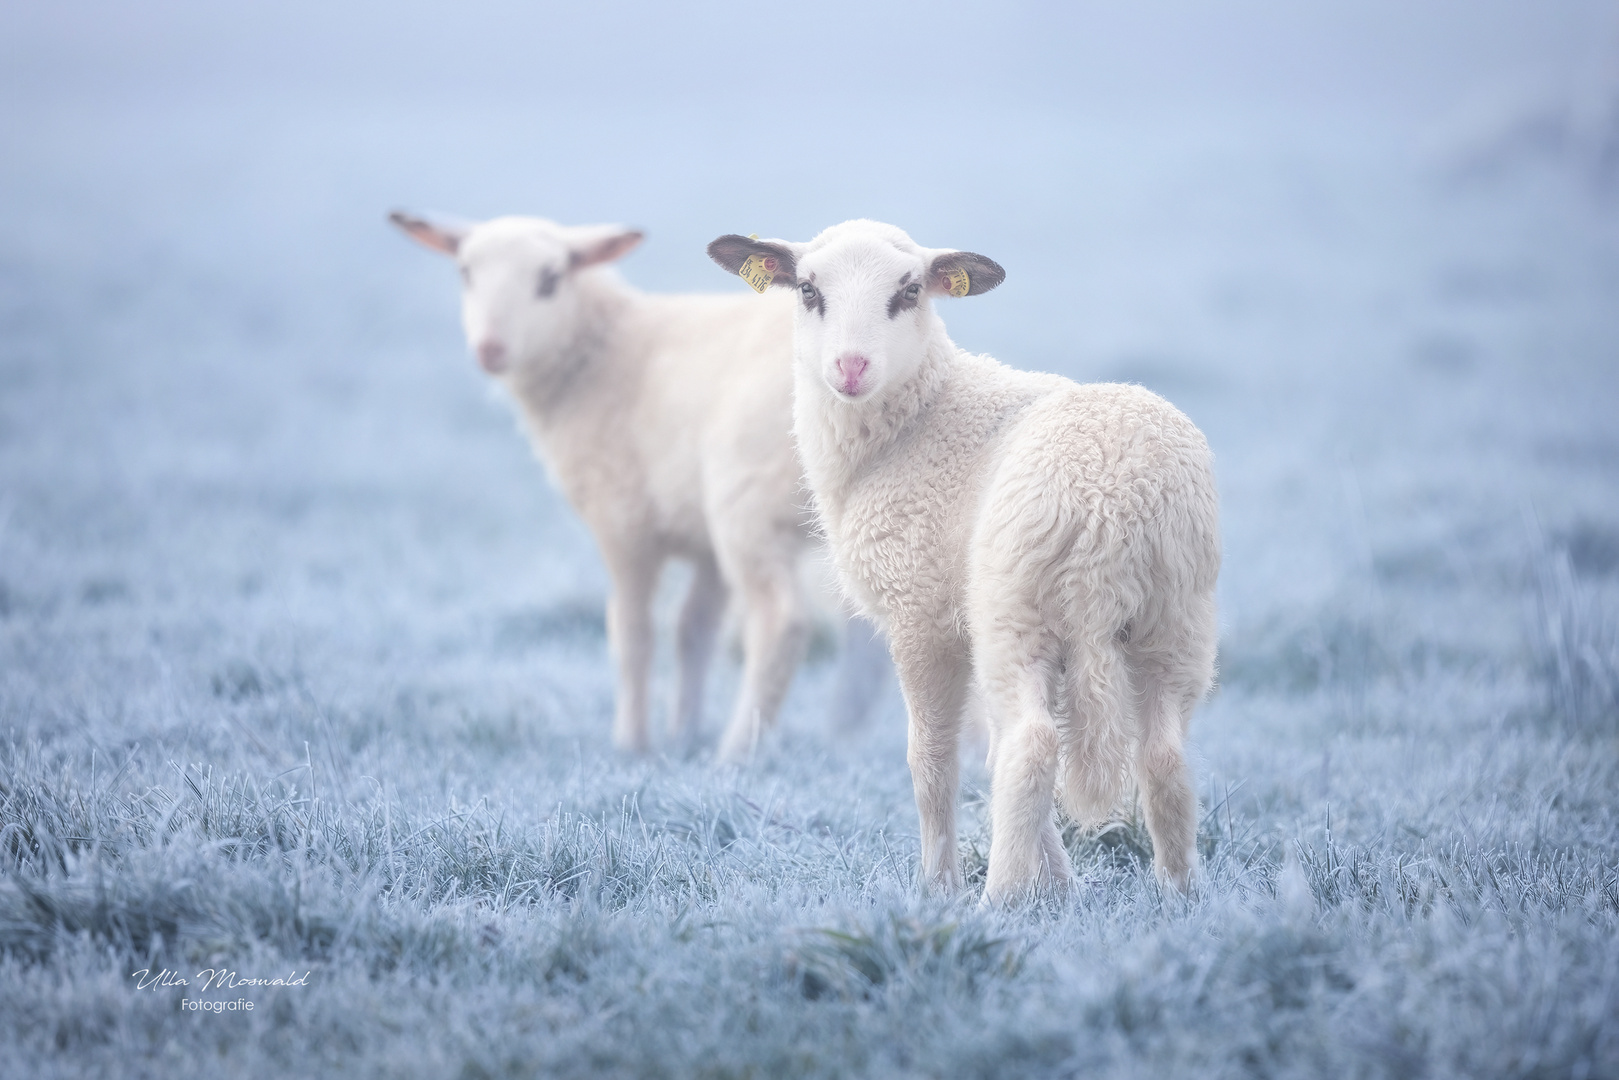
[[1058, 541], [665, 421]]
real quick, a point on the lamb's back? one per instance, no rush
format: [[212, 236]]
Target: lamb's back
[[1110, 474], [714, 416]]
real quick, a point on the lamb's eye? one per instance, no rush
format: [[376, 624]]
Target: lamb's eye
[[547, 283], [807, 290], [913, 290]]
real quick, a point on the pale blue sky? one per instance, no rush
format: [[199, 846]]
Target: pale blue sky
[[1427, 60]]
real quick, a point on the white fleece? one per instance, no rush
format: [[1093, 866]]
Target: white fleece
[[1057, 542]]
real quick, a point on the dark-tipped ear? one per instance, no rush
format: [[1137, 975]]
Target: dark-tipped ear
[[961, 273], [443, 238], [776, 263], [597, 244]]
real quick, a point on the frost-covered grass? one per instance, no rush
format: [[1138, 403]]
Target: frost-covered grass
[[302, 673]]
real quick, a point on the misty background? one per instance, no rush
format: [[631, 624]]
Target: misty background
[[1237, 206]]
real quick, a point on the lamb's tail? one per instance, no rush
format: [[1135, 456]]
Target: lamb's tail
[[1099, 724]]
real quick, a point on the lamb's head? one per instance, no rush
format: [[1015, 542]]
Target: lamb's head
[[865, 319], [519, 294]]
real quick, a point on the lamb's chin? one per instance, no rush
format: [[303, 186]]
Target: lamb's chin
[[861, 394]]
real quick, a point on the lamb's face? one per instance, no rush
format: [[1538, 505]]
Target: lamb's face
[[519, 287], [865, 316], [517, 291]]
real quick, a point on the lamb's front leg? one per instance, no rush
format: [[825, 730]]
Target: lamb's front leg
[[629, 633], [774, 633], [935, 678]]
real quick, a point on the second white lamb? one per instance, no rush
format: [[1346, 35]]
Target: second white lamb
[[665, 421]]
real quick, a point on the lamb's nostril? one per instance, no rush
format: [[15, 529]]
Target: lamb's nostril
[[492, 356], [851, 369]]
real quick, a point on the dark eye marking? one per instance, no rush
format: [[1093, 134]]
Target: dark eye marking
[[813, 300], [547, 285], [905, 298], [466, 277]]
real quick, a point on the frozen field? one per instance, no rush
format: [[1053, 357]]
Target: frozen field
[[302, 669]]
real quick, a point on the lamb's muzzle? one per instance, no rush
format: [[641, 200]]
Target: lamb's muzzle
[[851, 368], [492, 356]]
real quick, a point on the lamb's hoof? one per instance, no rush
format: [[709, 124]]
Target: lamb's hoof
[[1175, 879], [1043, 886], [738, 748], [1011, 894], [1007, 899]]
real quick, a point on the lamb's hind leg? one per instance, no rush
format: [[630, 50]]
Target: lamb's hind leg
[[1166, 788], [1026, 852], [699, 626], [1171, 688]]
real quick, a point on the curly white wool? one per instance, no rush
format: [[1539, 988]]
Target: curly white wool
[[1058, 542]]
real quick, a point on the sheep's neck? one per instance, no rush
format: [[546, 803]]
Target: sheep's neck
[[852, 437], [573, 393], [554, 382]]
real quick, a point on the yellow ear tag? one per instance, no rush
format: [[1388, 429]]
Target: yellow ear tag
[[958, 281], [759, 271]]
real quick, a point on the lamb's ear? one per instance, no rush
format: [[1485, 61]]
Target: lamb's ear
[[962, 273], [777, 259], [592, 245], [444, 238]]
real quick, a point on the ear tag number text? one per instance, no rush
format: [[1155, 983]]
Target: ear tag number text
[[759, 271], [959, 285]]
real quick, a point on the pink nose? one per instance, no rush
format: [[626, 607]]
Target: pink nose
[[851, 368], [492, 356]]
